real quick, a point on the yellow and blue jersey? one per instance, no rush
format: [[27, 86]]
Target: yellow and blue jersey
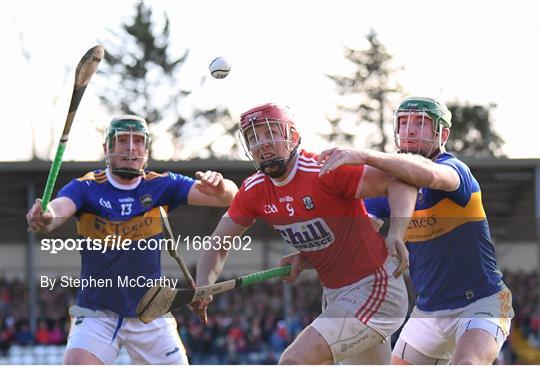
[[452, 257], [107, 209]]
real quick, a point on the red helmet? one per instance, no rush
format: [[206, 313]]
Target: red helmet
[[279, 127], [267, 111]]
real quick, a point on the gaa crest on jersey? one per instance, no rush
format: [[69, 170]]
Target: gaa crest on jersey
[[146, 201], [308, 202], [312, 235]]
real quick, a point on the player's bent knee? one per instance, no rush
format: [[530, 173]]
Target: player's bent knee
[[308, 348], [306, 355], [289, 358], [80, 356]]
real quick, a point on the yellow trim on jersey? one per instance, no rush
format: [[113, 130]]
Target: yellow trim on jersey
[[99, 177], [151, 175], [505, 299], [136, 228], [443, 217]]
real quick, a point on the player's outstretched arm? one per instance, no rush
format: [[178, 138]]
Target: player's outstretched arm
[[411, 168], [402, 200], [211, 189], [58, 212], [211, 262]]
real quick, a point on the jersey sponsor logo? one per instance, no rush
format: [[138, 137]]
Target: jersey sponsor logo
[[443, 217], [135, 228], [105, 203], [146, 200], [312, 235], [129, 199], [270, 209], [308, 202], [422, 222]]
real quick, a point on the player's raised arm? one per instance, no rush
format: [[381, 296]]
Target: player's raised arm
[[211, 189], [414, 169], [402, 200], [58, 212]]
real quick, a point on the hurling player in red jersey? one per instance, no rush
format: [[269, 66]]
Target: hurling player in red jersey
[[326, 221]]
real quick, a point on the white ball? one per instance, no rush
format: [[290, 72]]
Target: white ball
[[219, 68]]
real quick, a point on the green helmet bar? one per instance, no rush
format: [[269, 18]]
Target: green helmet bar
[[127, 124], [438, 112]]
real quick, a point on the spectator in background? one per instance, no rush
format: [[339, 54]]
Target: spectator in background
[[7, 336], [42, 333], [24, 336], [56, 334], [261, 322]]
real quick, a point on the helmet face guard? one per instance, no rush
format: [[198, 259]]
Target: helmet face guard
[[269, 138], [402, 142], [128, 126], [276, 134], [434, 116]]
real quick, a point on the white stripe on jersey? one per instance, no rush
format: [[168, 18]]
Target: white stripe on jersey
[[308, 159], [312, 164], [306, 169], [247, 187], [254, 177]]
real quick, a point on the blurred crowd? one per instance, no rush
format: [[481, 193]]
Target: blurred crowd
[[524, 344], [247, 326], [53, 321]]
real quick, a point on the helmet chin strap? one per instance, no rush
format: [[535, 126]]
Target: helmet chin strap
[[127, 173], [280, 164]]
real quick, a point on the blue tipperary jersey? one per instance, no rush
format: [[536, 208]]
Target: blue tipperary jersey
[[452, 258], [106, 209]]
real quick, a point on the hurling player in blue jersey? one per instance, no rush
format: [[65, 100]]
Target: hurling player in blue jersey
[[123, 200], [463, 310]]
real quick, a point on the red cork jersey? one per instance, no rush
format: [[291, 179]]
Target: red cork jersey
[[318, 216]]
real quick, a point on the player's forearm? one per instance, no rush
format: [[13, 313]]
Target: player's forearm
[[230, 192], [413, 169], [210, 265], [402, 200]]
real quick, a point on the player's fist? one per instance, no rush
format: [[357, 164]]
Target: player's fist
[[396, 248], [37, 219], [298, 264], [210, 182]]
